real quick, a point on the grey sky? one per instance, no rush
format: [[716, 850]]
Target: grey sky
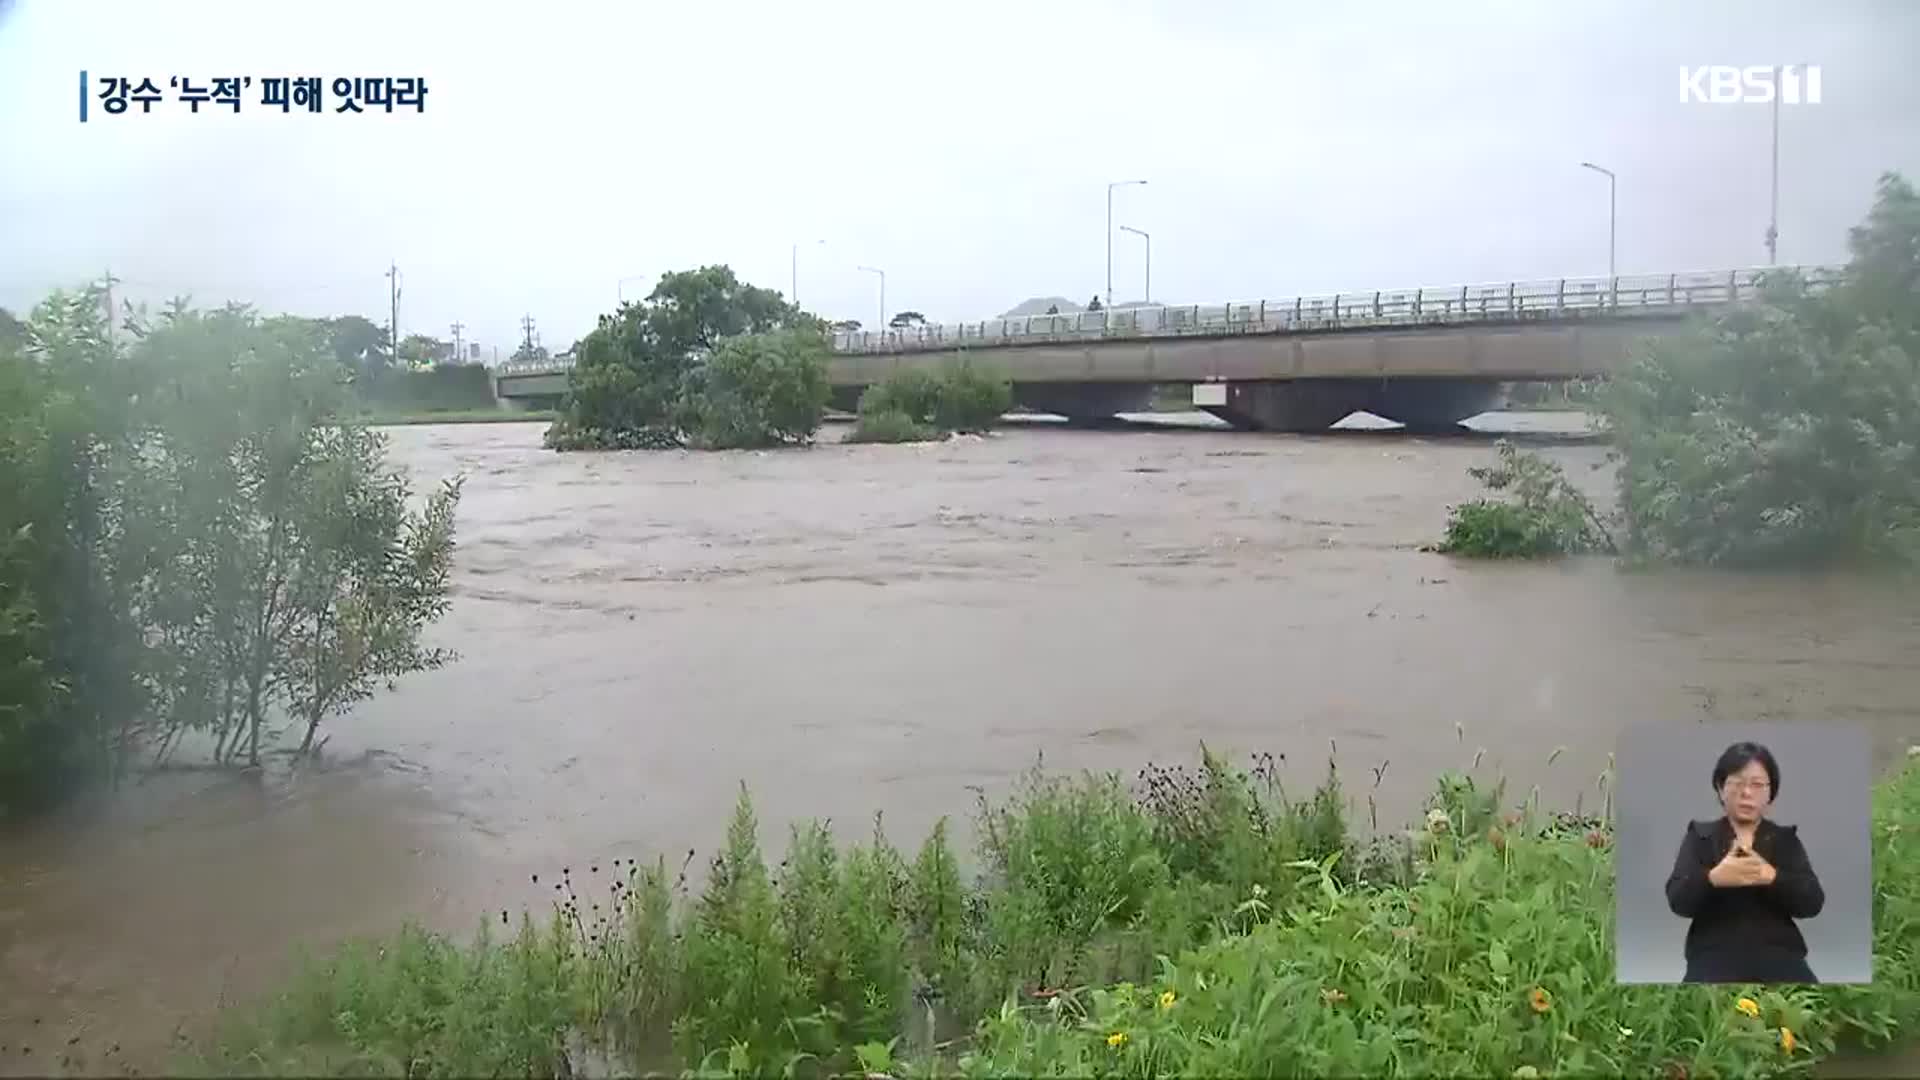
[[962, 147]]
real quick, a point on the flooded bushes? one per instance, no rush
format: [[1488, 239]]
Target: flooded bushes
[[913, 405], [1196, 923], [196, 546], [1541, 514], [1783, 432]]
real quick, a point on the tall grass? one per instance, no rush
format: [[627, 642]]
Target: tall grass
[[1198, 921]]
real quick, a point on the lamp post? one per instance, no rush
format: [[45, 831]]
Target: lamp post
[[1144, 235], [1110, 187], [1612, 207], [883, 294], [793, 274]]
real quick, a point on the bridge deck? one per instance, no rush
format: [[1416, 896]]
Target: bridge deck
[[1572, 301]]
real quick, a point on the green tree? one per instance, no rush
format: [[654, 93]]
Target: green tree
[[422, 350], [629, 386], [903, 320], [71, 553], [360, 344], [293, 576], [758, 390], [192, 541], [1787, 430], [530, 353]]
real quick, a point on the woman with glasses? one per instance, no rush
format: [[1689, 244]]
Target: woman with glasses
[[1743, 880]]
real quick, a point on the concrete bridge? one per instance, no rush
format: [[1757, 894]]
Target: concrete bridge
[[1427, 357]]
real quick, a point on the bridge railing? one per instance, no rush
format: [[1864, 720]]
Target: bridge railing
[[533, 367], [1639, 294], [1644, 294]]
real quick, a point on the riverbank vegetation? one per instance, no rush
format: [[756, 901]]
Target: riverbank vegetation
[[203, 552], [705, 361], [914, 405], [1197, 922], [1784, 431]]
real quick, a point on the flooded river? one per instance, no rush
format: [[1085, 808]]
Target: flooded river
[[859, 629]]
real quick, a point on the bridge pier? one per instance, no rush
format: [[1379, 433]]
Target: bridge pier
[[1429, 404], [1306, 405], [1084, 401], [1296, 405]]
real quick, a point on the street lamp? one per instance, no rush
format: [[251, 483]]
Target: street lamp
[[1144, 235], [1773, 202], [793, 275], [1110, 187], [1612, 205], [883, 294]]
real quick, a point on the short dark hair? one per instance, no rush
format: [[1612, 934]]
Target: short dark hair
[[1736, 757]]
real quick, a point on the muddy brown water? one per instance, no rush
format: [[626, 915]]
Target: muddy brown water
[[858, 629]]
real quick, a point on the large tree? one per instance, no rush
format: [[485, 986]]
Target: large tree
[[630, 383], [1787, 430], [423, 350]]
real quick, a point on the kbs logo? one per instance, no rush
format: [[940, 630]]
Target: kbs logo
[[1721, 84]]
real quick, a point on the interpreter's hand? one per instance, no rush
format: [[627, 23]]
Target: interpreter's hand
[[1740, 869]]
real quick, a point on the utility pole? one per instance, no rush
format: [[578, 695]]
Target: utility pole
[[526, 327], [107, 297], [393, 311], [1773, 213], [459, 355]]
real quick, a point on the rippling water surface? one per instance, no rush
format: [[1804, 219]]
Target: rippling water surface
[[858, 629]]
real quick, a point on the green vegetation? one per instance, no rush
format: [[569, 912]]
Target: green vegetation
[[914, 405], [1197, 923], [1783, 432], [442, 388], [1544, 514], [673, 370], [200, 547]]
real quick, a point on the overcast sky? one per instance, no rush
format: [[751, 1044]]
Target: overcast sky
[[964, 148]]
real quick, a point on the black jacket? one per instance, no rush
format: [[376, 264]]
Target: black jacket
[[1745, 934]]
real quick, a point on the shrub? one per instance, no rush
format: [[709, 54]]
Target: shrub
[[891, 426], [1108, 932], [1545, 514], [1786, 431], [911, 401], [971, 400], [757, 391], [912, 392]]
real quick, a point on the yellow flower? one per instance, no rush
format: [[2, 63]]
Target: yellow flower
[[1166, 1000], [1786, 1040], [1117, 1040], [1748, 1006], [1540, 1000]]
